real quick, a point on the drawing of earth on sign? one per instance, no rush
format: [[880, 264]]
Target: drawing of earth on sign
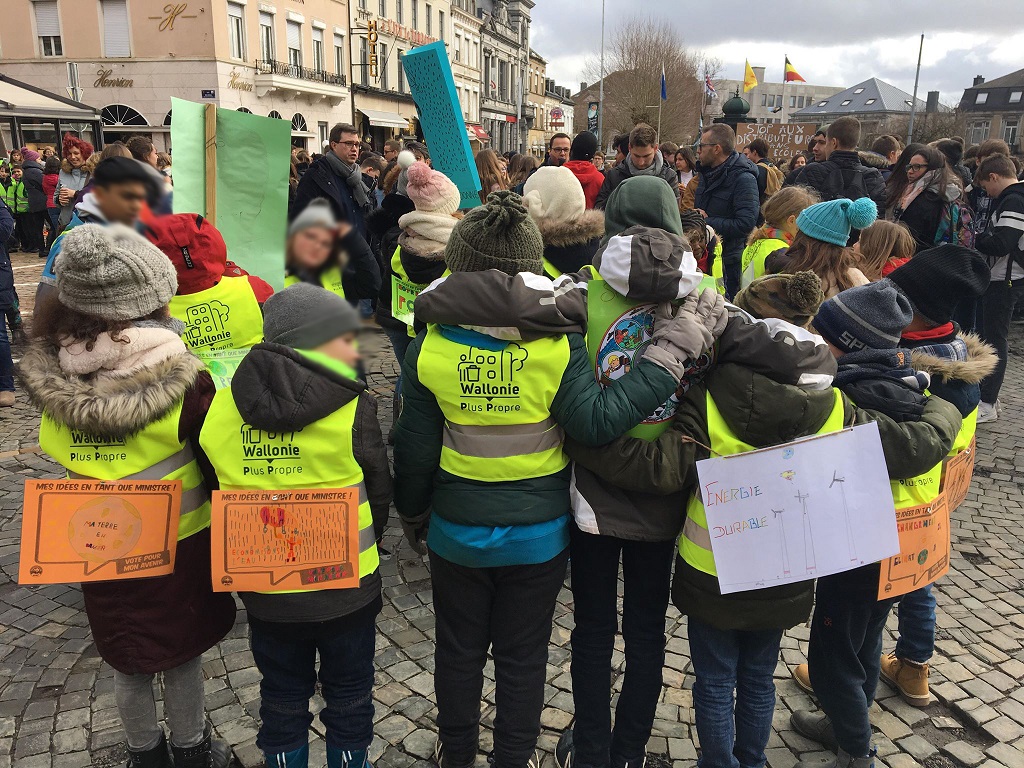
[[622, 347], [104, 528]]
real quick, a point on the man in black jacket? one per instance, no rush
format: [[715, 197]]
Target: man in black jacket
[[337, 177], [842, 174], [644, 159]]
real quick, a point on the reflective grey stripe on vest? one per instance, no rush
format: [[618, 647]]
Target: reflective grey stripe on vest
[[697, 535], [367, 535], [191, 498], [501, 442]]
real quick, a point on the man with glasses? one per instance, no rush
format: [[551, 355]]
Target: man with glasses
[[337, 177], [727, 197], [644, 159], [558, 149]]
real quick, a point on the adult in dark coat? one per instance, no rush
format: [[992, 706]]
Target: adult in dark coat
[[36, 216], [644, 159], [920, 188], [337, 177], [727, 197]]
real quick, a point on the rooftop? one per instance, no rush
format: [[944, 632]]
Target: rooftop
[[871, 96]]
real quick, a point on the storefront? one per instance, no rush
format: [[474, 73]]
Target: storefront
[[478, 137], [34, 118]]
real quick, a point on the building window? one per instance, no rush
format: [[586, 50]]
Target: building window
[[383, 67], [319, 62], [339, 54], [440, 24], [427, 11], [266, 36], [792, 102], [1015, 97], [416, 14], [823, 103], [503, 80], [981, 98], [764, 99], [236, 30], [869, 102], [1010, 132], [120, 114], [115, 28], [323, 131], [362, 4], [382, 10], [364, 59], [800, 101], [48, 28], [979, 131], [858, 90], [401, 72], [845, 103], [400, 11], [294, 44]]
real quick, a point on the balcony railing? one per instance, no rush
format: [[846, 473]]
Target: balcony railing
[[299, 73]]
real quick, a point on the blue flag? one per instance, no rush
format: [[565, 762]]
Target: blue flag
[[664, 85]]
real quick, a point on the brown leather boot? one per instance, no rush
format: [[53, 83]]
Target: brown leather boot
[[802, 677], [909, 678]]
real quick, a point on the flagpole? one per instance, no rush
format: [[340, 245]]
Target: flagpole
[[600, 96], [660, 105], [784, 88]]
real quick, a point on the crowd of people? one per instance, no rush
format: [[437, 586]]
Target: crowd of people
[[779, 303]]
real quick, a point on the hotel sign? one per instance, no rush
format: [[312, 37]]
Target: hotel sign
[[371, 45], [393, 28]]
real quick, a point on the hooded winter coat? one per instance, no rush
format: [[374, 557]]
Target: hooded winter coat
[[728, 195], [924, 214], [278, 389], [33, 180], [762, 411], [957, 364], [589, 177], [140, 625], [834, 177], [571, 245]]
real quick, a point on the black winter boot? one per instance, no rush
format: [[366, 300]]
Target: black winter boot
[[209, 753], [157, 757]]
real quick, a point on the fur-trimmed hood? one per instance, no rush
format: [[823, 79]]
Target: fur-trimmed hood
[[873, 160], [981, 361], [105, 406], [560, 233]]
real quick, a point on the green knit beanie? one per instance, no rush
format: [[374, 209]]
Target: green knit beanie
[[641, 201], [498, 235]]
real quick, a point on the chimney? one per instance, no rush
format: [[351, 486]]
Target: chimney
[[583, 87], [932, 105], [759, 74], [978, 80]]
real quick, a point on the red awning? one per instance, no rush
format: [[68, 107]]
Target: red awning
[[479, 132]]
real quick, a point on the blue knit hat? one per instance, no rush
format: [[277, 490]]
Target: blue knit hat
[[832, 221], [870, 316]]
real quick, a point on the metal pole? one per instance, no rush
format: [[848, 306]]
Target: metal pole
[[913, 101], [784, 90], [600, 94], [660, 105]]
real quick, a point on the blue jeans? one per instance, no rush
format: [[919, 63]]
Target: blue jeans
[[727, 662], [917, 626], [400, 341], [285, 654], [6, 362]]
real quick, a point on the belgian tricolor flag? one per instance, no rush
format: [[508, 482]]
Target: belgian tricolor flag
[[791, 75]]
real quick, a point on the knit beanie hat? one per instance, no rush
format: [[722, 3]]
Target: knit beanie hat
[[194, 246], [498, 235], [936, 279], [554, 193], [870, 316], [431, 190], [30, 155], [405, 160], [73, 141], [584, 146], [113, 272], [793, 298], [832, 221], [305, 316], [641, 201], [317, 214]]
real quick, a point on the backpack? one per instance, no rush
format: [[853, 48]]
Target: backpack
[[774, 179], [955, 225], [845, 182]]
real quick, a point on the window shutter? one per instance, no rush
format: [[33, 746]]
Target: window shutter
[[234, 9], [295, 35], [115, 28], [318, 35], [47, 20], [266, 19]]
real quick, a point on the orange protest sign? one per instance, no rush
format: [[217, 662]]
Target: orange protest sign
[[924, 549], [957, 476], [277, 541], [91, 530]]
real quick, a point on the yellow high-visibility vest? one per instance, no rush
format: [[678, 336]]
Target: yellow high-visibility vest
[[330, 279], [226, 316]]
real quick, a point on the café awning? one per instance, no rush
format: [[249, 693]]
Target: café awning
[[385, 119]]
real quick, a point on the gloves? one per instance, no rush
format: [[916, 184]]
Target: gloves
[[415, 531], [682, 335]]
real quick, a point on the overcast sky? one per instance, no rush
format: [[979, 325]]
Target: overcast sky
[[829, 42]]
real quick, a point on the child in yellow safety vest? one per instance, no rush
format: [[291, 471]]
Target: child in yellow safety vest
[[779, 228], [110, 372]]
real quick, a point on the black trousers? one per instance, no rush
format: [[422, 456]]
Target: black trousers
[[996, 312], [509, 610]]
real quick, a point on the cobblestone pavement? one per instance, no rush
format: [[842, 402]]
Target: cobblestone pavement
[[57, 702]]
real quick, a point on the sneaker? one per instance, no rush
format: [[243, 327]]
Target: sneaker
[[6, 399], [815, 726], [987, 412], [907, 677], [565, 750], [802, 677]]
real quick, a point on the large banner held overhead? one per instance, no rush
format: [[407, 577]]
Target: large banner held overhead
[[433, 90], [232, 167]]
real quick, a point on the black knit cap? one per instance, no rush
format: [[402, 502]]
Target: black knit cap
[[584, 146], [936, 279]]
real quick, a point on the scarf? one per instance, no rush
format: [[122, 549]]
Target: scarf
[[353, 176], [425, 233], [134, 348], [927, 182], [772, 233], [893, 364], [654, 169]]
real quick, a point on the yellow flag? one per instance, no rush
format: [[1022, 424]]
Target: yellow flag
[[749, 80]]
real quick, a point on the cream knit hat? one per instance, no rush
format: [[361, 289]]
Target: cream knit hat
[[554, 194]]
